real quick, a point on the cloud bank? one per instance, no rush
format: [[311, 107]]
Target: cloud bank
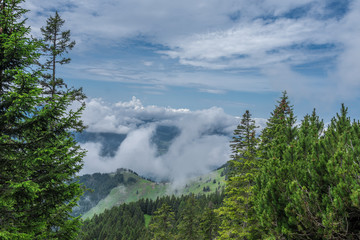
[[201, 145]]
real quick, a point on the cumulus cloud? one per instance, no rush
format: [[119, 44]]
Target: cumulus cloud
[[263, 37], [122, 117], [201, 145]]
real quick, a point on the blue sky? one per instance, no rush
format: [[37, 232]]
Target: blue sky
[[232, 54], [197, 64]]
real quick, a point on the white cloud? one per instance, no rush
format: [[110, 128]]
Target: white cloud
[[133, 104], [213, 91], [251, 36], [203, 142], [348, 63], [148, 63], [254, 44]]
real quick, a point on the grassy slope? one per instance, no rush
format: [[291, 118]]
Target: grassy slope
[[146, 189], [147, 220], [197, 185]]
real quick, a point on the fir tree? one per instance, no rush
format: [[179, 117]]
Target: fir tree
[[162, 223], [209, 222], [238, 220], [56, 43], [188, 227], [276, 153], [38, 154]]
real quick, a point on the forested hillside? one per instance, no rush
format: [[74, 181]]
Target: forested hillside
[[291, 181], [99, 185], [296, 179], [185, 217], [105, 190]]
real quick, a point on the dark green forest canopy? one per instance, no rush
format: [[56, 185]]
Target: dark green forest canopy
[[128, 222]]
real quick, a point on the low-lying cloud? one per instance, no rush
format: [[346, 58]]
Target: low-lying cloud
[[201, 145]]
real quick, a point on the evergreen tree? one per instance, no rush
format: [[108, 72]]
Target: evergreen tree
[[162, 223], [327, 202], [276, 153], [308, 185], [238, 220], [209, 223], [188, 227], [305, 178], [56, 43], [38, 154]]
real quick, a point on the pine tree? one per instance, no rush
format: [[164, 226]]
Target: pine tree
[[162, 223], [324, 191], [188, 227], [307, 173], [238, 220], [337, 210], [209, 222], [308, 185], [38, 154]]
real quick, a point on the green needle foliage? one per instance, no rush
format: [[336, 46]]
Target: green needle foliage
[[188, 227], [56, 43], [308, 182], [209, 223], [162, 223], [38, 154], [238, 220], [276, 152]]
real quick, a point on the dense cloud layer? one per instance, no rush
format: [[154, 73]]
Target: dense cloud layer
[[201, 145]]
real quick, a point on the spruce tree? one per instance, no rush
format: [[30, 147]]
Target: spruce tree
[[276, 155], [237, 215], [188, 227], [209, 222], [56, 43], [38, 154], [162, 223]]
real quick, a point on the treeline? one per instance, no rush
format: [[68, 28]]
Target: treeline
[[184, 215], [294, 180], [98, 186]]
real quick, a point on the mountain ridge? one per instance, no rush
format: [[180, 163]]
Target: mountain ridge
[[125, 186]]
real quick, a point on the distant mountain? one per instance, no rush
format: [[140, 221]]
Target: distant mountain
[[110, 142], [124, 186], [163, 137]]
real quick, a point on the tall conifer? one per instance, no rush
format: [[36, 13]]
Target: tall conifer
[[162, 223], [276, 154], [56, 43], [237, 215], [38, 154], [188, 227]]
